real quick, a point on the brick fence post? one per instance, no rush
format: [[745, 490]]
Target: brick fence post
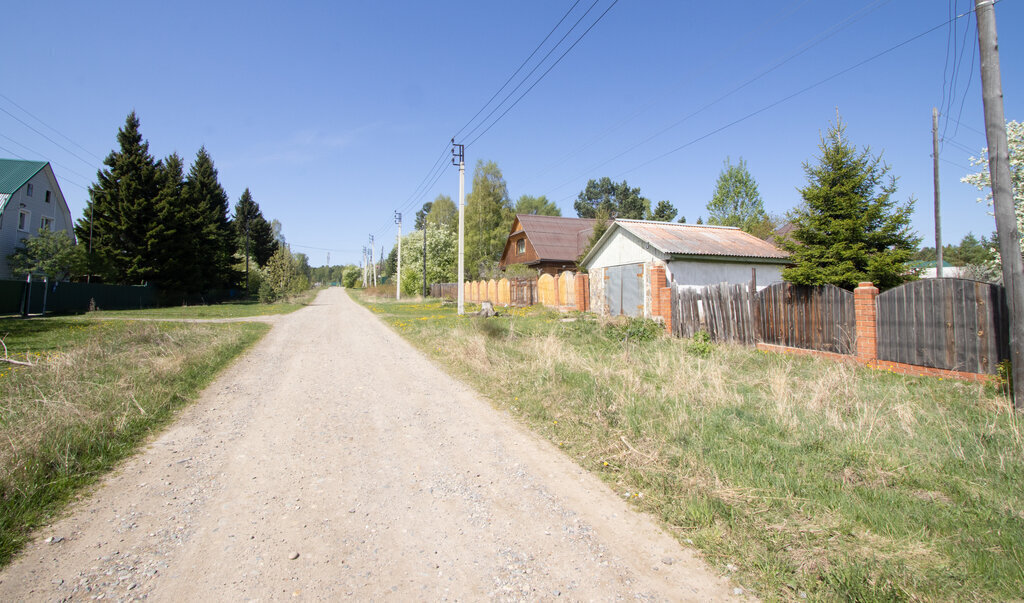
[[582, 288], [661, 296], [864, 309]]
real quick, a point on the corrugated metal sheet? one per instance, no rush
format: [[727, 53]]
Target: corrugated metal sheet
[[16, 172], [555, 238], [696, 239]]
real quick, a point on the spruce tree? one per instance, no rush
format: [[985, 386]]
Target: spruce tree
[[252, 231], [208, 213], [849, 228], [171, 244], [121, 210]]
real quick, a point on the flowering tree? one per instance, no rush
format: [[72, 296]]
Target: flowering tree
[[983, 180]]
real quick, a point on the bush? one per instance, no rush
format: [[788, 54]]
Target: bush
[[701, 344], [635, 329]]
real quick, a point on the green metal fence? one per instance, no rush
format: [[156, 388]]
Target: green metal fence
[[16, 296]]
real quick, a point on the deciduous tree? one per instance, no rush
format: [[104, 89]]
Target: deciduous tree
[[488, 219], [982, 180], [539, 206], [443, 214], [737, 202], [51, 253]]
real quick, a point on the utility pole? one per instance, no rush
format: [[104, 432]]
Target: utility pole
[[424, 258], [398, 272], [373, 266], [459, 153], [365, 266], [935, 173], [1002, 190]]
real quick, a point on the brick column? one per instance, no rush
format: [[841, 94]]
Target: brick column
[[582, 288], [864, 309], [661, 296]]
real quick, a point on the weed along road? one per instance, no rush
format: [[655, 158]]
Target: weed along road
[[333, 460]]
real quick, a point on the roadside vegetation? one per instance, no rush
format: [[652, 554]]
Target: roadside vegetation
[[799, 477], [94, 392]]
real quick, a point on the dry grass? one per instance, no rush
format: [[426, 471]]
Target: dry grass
[[806, 475], [96, 392]]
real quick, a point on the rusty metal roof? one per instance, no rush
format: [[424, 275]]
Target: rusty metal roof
[[555, 238], [697, 239]]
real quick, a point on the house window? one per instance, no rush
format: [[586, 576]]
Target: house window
[[46, 223], [47, 196], [520, 246], [24, 218], [28, 189]]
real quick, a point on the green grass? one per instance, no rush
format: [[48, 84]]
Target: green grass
[[805, 475], [95, 392], [230, 309]]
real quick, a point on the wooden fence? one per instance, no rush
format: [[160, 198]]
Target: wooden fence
[[445, 290], [813, 318], [951, 324], [523, 291], [944, 323]]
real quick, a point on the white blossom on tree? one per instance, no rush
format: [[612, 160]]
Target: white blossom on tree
[[983, 180]]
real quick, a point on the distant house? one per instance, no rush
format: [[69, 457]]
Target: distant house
[[30, 199], [692, 255], [930, 269], [549, 244]]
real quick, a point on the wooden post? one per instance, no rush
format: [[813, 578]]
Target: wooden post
[[1002, 189]]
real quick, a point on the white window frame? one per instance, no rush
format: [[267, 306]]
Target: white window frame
[[520, 246], [46, 223], [28, 189], [23, 226]]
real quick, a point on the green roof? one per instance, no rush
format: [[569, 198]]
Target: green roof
[[14, 173]]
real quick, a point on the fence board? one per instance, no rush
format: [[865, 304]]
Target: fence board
[[947, 323]]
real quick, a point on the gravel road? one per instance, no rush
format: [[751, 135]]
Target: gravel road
[[335, 461]]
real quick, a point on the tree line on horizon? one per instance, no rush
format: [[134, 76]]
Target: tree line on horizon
[[848, 227]]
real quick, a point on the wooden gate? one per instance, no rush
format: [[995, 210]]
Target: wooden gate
[[946, 323], [812, 317], [523, 291]]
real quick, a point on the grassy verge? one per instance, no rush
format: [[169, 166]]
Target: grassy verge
[[96, 391], [230, 309], [799, 476]]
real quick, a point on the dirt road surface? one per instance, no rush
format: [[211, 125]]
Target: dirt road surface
[[334, 461]]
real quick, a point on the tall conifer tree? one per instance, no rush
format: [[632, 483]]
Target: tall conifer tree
[[210, 229], [849, 227], [121, 210], [252, 230]]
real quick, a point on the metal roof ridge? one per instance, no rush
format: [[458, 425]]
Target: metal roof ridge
[[674, 224]]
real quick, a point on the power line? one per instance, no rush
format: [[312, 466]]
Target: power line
[[38, 154], [786, 98], [55, 130], [67, 150], [801, 49], [532, 71], [518, 69], [612, 5]]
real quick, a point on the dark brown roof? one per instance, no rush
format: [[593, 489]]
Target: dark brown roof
[[694, 239], [555, 238]]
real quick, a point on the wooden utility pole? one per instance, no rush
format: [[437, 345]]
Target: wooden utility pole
[[1002, 189], [935, 172]]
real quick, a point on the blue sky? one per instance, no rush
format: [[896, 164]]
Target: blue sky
[[333, 113]]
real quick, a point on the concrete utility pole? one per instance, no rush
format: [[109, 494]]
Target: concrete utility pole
[[459, 152], [935, 173], [1002, 189], [373, 265], [398, 272], [424, 258]]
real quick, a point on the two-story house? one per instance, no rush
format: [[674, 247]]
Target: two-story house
[[30, 199]]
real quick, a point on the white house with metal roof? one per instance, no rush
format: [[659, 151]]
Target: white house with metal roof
[[30, 200], [693, 255]]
